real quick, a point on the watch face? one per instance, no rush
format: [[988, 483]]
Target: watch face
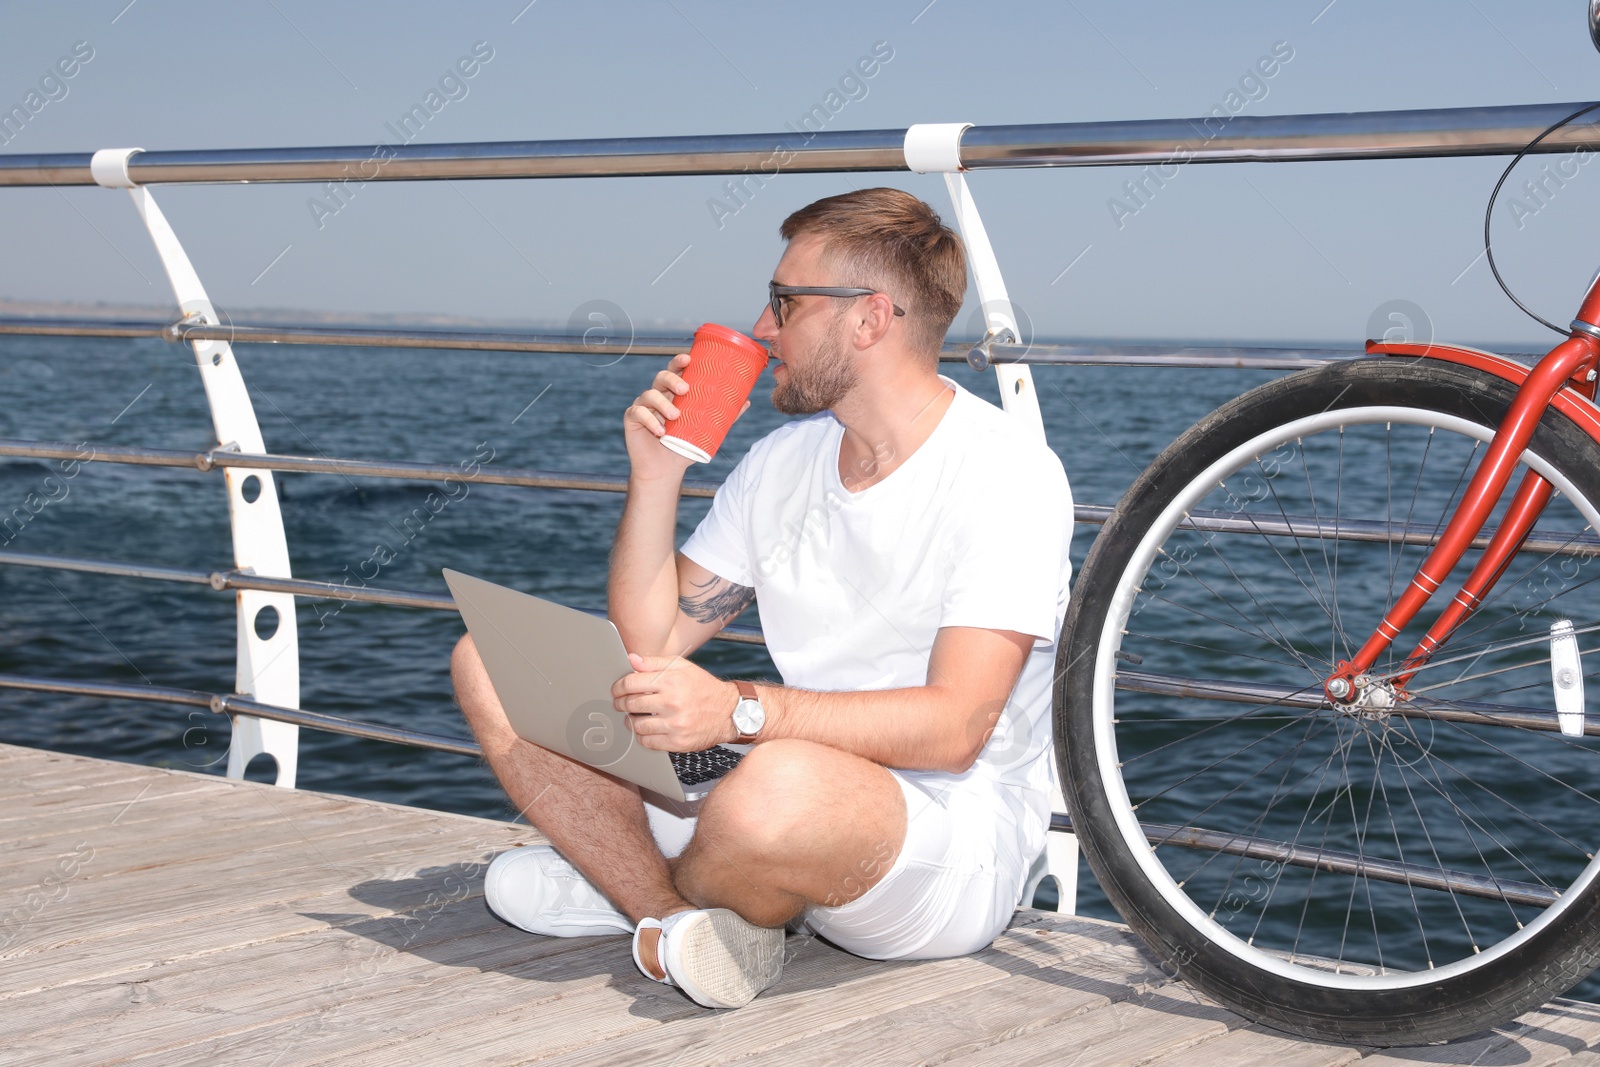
[[749, 716]]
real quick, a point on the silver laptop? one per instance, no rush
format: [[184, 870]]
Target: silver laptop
[[553, 667]]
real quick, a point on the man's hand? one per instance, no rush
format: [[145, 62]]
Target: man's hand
[[645, 422], [675, 706]]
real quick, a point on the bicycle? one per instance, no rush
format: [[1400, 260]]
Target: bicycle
[[1325, 822]]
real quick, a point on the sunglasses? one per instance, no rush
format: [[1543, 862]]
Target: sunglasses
[[776, 294]]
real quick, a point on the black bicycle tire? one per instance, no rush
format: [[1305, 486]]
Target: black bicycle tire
[[1546, 966]]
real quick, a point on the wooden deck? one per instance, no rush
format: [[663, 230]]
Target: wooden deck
[[155, 916]]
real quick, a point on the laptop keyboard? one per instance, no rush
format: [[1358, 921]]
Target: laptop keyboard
[[704, 766]]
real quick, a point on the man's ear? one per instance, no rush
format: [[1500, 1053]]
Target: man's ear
[[877, 316]]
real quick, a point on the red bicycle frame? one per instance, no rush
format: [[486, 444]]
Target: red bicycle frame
[[1565, 379]]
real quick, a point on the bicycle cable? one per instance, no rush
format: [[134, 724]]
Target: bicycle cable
[[1488, 214]]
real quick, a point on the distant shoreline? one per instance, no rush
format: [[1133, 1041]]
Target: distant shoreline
[[659, 328]]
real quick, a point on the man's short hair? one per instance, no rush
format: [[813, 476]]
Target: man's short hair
[[887, 239]]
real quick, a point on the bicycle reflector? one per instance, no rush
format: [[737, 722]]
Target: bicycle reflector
[[1566, 673]]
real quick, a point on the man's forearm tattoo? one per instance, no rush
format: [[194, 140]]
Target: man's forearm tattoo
[[716, 599]]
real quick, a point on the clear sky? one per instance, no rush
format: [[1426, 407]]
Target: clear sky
[[1301, 252]]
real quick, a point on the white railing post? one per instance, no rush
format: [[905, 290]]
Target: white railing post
[[936, 148], [267, 668]]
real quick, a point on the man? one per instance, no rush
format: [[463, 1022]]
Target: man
[[906, 546]]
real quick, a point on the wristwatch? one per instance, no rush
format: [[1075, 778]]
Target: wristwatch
[[748, 715]]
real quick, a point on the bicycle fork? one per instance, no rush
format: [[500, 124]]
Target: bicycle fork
[[1571, 364]]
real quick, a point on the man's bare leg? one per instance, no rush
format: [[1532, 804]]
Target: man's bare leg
[[595, 821], [796, 824]]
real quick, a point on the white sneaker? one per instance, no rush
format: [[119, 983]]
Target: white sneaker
[[534, 889], [713, 955]]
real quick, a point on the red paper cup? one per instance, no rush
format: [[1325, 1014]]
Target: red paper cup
[[723, 367]]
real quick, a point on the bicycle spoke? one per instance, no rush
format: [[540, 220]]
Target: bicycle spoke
[[1422, 823], [1467, 823], [1284, 642], [1400, 853], [1199, 816], [1272, 544], [1217, 723], [1209, 541], [1538, 772], [1362, 881], [1228, 625], [1184, 781], [1140, 636], [1322, 542]]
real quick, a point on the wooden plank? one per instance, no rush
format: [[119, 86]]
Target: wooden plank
[[818, 977], [374, 956], [271, 914], [1255, 1044], [528, 1021], [30, 761], [202, 823], [44, 759], [67, 772], [105, 873], [201, 888], [1162, 1019], [323, 1020], [212, 829], [1550, 1034], [22, 780], [148, 804], [300, 1006], [226, 856], [1044, 976], [821, 988], [202, 813]]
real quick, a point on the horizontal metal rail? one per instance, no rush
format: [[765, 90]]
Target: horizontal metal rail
[[1203, 139], [236, 704], [1310, 698], [222, 581], [1089, 514], [609, 348], [1393, 533], [1340, 862], [216, 458], [1207, 840], [1479, 713]]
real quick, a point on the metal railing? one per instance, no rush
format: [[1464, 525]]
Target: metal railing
[[1335, 861], [224, 581], [1466, 131], [1343, 529], [235, 703]]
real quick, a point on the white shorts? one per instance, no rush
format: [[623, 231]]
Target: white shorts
[[951, 891]]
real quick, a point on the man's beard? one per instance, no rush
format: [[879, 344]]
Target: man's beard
[[829, 376]]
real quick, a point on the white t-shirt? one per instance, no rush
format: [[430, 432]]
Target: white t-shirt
[[973, 529]]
